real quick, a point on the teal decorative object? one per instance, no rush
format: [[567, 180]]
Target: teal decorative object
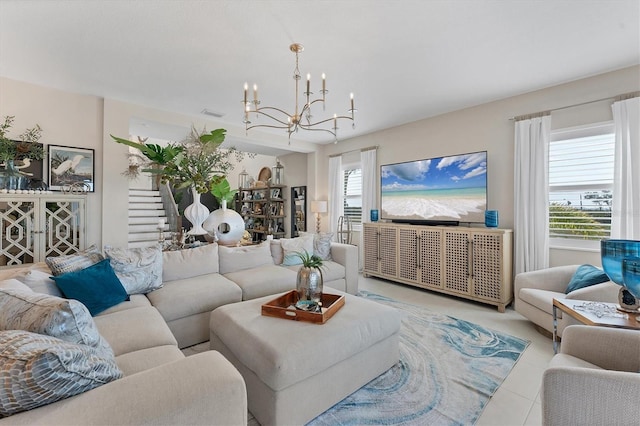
[[491, 218]]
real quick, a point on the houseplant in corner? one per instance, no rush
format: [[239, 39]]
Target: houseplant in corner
[[192, 163], [309, 282], [225, 225], [11, 151]]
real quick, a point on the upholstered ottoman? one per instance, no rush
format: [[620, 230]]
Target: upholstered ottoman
[[296, 370]]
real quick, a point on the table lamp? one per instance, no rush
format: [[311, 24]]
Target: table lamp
[[318, 207]]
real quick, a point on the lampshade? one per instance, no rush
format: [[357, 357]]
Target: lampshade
[[318, 207]]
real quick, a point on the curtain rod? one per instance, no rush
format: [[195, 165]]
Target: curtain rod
[[615, 98], [369, 148]]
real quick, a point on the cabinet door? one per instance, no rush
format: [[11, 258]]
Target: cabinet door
[[487, 266], [64, 226], [371, 255], [457, 261], [430, 257], [408, 258], [18, 223], [388, 251]]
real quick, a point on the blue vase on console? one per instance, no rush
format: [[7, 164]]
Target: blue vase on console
[[491, 218]]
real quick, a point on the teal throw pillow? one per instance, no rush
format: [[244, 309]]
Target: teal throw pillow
[[97, 287], [585, 276]]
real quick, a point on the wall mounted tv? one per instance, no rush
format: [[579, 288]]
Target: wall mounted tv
[[438, 191]]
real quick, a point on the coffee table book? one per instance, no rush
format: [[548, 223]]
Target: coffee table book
[[283, 307]]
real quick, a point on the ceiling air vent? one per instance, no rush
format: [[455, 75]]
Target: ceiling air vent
[[213, 113]]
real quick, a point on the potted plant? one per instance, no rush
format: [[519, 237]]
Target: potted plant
[[11, 151], [192, 163], [309, 282]]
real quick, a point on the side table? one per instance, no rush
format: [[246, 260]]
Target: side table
[[602, 317]]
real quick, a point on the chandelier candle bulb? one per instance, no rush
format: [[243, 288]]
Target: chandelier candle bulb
[[352, 108], [255, 94], [246, 87]]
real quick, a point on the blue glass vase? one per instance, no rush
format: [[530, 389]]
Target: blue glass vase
[[491, 218], [631, 275], [613, 252]]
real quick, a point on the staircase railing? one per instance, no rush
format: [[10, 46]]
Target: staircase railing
[[170, 208]]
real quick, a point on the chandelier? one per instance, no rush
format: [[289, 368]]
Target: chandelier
[[301, 117]]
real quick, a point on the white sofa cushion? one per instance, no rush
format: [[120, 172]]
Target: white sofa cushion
[[234, 259], [195, 295], [134, 329], [38, 370], [138, 269], [263, 280], [189, 263]]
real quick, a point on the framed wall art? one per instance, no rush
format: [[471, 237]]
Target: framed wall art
[[71, 166]]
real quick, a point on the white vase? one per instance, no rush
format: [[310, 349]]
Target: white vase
[[225, 225], [196, 213]]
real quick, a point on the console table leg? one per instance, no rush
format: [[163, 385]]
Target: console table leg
[[555, 330]]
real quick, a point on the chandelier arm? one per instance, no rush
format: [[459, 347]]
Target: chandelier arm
[[304, 126], [284, 123], [267, 125]]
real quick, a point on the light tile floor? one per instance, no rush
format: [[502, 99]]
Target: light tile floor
[[517, 401]]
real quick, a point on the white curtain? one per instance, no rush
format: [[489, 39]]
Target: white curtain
[[336, 204], [369, 165], [531, 194], [625, 214]]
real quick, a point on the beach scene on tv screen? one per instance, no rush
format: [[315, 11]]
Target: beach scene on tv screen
[[450, 188]]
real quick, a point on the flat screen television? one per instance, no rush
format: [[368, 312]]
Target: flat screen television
[[443, 190]]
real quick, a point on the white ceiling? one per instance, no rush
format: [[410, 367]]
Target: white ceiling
[[403, 59]]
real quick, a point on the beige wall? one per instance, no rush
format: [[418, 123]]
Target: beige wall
[[67, 119], [487, 127]]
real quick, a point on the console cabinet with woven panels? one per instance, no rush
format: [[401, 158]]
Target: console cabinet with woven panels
[[38, 226], [474, 263]]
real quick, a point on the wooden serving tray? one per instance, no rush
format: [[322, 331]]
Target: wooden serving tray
[[281, 307]]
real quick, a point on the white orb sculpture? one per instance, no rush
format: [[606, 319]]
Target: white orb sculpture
[[225, 225]]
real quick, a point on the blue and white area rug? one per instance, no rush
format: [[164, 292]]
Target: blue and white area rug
[[448, 371]]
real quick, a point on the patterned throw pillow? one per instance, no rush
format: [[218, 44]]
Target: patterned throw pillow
[[322, 245], [38, 370], [68, 320], [73, 262], [138, 269], [293, 246]]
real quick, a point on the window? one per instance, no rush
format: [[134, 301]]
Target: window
[[352, 195], [580, 185]]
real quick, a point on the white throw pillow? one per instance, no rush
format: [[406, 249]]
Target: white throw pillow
[[234, 259], [13, 284], [292, 246], [138, 269], [39, 281], [187, 263], [321, 244], [38, 370]]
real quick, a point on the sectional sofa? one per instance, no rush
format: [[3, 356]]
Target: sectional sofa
[[158, 385]]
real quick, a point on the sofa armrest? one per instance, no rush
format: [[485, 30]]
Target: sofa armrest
[[608, 348], [200, 389], [585, 396], [347, 256], [551, 279], [603, 292]]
